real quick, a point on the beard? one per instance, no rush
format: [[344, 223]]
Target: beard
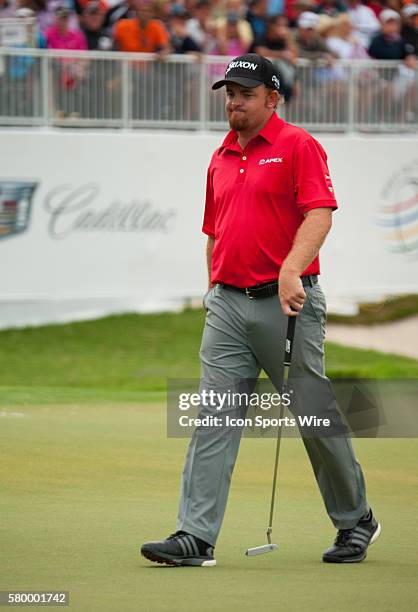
[[238, 121]]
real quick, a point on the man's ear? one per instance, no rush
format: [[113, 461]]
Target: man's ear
[[273, 99]]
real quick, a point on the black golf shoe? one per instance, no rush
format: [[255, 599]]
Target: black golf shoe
[[351, 545], [180, 548]]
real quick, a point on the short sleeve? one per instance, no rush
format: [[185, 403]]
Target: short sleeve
[[312, 181], [209, 215], [161, 35]]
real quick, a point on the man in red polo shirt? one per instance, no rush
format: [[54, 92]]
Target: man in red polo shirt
[[269, 202]]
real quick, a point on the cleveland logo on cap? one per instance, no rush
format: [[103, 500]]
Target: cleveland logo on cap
[[241, 64]]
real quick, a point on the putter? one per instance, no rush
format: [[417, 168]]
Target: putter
[[269, 547]]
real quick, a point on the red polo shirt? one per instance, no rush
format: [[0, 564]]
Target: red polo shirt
[[256, 199]]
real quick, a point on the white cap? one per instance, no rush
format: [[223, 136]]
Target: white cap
[[24, 12], [105, 43], [409, 10], [389, 14], [307, 20]]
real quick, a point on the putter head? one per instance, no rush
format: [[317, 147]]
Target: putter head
[[261, 550]]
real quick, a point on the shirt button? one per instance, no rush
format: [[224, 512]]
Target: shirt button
[[241, 170], [244, 158]]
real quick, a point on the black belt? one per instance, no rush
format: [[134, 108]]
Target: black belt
[[268, 289]]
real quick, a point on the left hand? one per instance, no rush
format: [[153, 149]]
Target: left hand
[[162, 55], [291, 293]]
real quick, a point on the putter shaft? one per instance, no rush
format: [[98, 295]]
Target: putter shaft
[[270, 547]]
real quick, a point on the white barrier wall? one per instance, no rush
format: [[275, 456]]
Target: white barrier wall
[[94, 223]]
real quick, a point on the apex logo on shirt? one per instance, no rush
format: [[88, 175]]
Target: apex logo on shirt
[[270, 160]]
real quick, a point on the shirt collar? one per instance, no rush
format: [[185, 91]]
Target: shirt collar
[[268, 133]]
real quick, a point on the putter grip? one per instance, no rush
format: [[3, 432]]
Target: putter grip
[[290, 335]]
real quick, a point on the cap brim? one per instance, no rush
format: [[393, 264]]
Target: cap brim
[[239, 80]]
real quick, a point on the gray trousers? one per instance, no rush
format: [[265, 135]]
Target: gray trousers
[[242, 336]]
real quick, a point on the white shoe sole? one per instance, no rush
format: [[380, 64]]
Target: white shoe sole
[[209, 563], [376, 534]]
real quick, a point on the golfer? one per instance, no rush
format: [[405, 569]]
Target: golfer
[[269, 203]]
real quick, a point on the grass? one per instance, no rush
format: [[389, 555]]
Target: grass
[[83, 486], [88, 474], [391, 309], [129, 357]]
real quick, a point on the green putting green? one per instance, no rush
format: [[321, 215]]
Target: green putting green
[[84, 484], [87, 474]]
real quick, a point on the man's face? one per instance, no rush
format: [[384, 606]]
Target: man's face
[[412, 21], [391, 27], [93, 20], [62, 22], [232, 29], [144, 9], [202, 13], [306, 34], [247, 108], [278, 29], [178, 26], [260, 7]]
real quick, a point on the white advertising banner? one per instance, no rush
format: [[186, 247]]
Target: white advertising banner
[[98, 222]]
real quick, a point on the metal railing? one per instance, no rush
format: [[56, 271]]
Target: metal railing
[[126, 90]]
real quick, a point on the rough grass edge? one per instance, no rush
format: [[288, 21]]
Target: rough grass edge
[[384, 311]]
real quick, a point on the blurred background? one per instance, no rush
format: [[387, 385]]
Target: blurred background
[[108, 122]]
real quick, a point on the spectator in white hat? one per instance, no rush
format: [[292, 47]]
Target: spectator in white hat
[[409, 30], [34, 38], [388, 44], [310, 44]]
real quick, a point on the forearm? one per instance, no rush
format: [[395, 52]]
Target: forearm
[[209, 250], [308, 240]]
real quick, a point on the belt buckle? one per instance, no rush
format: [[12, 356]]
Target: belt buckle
[[247, 291]]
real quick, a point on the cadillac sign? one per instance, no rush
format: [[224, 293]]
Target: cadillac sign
[[15, 205]]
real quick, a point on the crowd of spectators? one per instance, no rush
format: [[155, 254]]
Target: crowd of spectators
[[283, 29]]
